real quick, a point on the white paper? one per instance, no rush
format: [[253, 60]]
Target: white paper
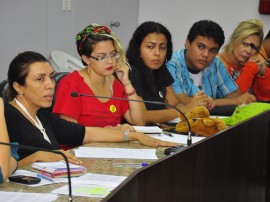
[[115, 153], [220, 117], [26, 197], [174, 120], [177, 138], [99, 179], [148, 129], [92, 185], [98, 191], [178, 119], [54, 165]]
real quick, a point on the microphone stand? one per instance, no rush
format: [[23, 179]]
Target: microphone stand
[[46, 150], [189, 139], [266, 60]]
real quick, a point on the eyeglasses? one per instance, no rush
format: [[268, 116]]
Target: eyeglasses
[[247, 45], [104, 58]]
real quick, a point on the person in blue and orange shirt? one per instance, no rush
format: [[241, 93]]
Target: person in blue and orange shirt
[[242, 61]]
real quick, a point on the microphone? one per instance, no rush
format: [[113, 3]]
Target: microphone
[[46, 150], [189, 139], [266, 60]]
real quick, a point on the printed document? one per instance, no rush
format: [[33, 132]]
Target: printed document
[[115, 153]]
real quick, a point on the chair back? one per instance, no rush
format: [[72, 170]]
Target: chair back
[[57, 77], [63, 62], [3, 90]]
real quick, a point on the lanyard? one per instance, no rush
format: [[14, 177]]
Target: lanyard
[[38, 124]]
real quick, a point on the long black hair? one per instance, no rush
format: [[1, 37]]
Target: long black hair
[[133, 51]]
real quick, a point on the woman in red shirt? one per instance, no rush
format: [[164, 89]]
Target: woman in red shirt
[[105, 74], [240, 59]]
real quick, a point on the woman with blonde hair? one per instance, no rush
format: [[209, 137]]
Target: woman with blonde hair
[[240, 57], [105, 74]]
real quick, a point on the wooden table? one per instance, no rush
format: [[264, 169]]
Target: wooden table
[[99, 166]]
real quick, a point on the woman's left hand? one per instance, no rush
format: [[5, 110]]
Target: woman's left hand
[[122, 73], [262, 67], [124, 127]]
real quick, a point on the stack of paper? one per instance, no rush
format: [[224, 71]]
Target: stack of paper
[[148, 129], [118, 153], [57, 169]]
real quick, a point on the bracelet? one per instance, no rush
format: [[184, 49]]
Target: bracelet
[[126, 136], [131, 93], [128, 83]]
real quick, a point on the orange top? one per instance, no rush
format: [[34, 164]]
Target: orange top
[[243, 76], [261, 86]]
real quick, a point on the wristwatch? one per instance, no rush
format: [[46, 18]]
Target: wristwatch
[[126, 134]]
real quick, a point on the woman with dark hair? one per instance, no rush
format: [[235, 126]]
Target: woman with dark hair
[[149, 49], [31, 87], [105, 74]]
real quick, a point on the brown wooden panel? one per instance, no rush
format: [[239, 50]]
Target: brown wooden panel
[[230, 166]]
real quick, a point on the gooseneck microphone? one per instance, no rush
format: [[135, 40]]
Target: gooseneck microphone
[[267, 61], [46, 150], [189, 139]]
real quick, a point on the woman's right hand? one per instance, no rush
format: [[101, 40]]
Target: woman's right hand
[[52, 157], [150, 141]]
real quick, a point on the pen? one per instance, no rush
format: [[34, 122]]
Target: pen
[[135, 165], [44, 177], [168, 134]]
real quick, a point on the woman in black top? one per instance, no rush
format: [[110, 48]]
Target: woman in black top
[[147, 53], [31, 88]]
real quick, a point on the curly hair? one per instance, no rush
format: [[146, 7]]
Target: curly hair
[[209, 29]]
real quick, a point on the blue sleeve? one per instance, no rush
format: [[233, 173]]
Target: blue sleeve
[[226, 83], [14, 151], [174, 68], [14, 154]]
